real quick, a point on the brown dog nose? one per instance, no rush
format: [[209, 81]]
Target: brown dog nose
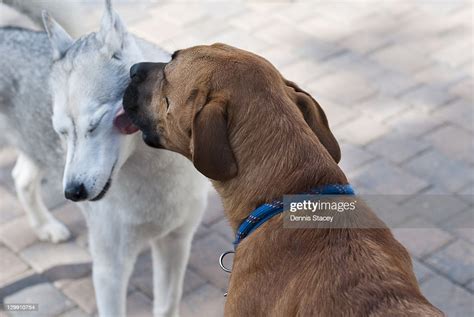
[[139, 71]]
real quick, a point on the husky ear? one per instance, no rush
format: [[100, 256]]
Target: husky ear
[[59, 38], [112, 31]]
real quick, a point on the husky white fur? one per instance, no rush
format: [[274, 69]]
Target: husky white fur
[[131, 195]]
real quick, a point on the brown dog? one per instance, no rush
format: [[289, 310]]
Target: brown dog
[[259, 137]]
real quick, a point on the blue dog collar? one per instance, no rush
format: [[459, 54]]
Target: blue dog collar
[[266, 211]]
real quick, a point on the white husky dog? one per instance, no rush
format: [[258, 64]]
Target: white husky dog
[[130, 194]]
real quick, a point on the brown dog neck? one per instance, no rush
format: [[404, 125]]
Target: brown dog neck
[[283, 157]]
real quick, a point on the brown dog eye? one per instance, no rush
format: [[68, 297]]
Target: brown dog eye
[[167, 103]]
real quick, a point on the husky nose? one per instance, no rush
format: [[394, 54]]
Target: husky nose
[[75, 192]]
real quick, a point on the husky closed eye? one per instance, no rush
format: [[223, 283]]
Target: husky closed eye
[[94, 124], [117, 56]]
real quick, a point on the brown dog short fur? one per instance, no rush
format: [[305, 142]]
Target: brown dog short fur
[[259, 137]]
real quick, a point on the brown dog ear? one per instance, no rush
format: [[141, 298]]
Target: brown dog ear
[[315, 117], [211, 153]]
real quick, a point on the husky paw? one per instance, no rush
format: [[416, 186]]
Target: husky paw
[[53, 231]]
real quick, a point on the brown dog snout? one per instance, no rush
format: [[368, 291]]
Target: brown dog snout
[[139, 72]]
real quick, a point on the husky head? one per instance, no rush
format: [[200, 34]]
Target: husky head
[[88, 78]]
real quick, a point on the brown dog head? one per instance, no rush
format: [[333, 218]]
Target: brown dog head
[[205, 96]]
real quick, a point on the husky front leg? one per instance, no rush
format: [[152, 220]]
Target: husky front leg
[[114, 254], [27, 178], [170, 257]]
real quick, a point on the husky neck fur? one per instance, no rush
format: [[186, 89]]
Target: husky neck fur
[[156, 197]]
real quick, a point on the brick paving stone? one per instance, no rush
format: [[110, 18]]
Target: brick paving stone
[[214, 211], [385, 178], [225, 10], [355, 63], [10, 208], [422, 272], [427, 97], [223, 228], [167, 30], [400, 59], [391, 213], [453, 142], [251, 20], [435, 208], [82, 293], [17, 234], [138, 305], [74, 312], [174, 12], [18, 282], [129, 12], [470, 286], [207, 29], [142, 277], [353, 156], [180, 41], [280, 56], [296, 12], [413, 122], [456, 261], [336, 114], [458, 112], [362, 130], [440, 74], [204, 259], [355, 88], [454, 55], [464, 89], [441, 170], [241, 40], [421, 238], [462, 225], [51, 301], [201, 231], [52, 191], [70, 215], [302, 71], [43, 255], [467, 193], [206, 301], [324, 30], [381, 107], [448, 297], [192, 281], [364, 42], [308, 45], [397, 147], [393, 83], [10, 265]]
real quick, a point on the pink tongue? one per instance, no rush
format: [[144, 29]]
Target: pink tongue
[[123, 123]]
